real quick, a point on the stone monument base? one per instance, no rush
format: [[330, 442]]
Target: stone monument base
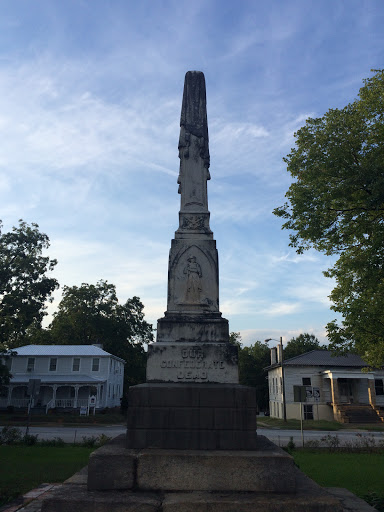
[[121, 480], [192, 416]]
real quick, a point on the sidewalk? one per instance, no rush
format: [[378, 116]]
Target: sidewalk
[[31, 501]]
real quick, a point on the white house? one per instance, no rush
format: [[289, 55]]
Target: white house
[[69, 376], [340, 388]]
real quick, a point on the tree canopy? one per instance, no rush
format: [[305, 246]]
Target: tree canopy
[[91, 314], [301, 344], [336, 205], [25, 285], [252, 361]]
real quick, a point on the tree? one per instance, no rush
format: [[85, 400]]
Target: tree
[[24, 284], [336, 205], [252, 361], [90, 314], [302, 344], [5, 376]]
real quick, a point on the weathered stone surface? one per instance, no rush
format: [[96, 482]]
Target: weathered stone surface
[[193, 314], [81, 477], [192, 416], [76, 498], [248, 502], [175, 470], [189, 328], [191, 362], [349, 501], [193, 277], [111, 467], [186, 395]]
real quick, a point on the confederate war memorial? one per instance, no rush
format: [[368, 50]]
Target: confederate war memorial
[[191, 442]]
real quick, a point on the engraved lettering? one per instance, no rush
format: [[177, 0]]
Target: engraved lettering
[[163, 364]]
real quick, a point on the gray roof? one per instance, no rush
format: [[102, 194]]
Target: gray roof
[[62, 350], [325, 358]]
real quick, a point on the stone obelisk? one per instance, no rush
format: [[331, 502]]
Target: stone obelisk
[[192, 398], [192, 338]]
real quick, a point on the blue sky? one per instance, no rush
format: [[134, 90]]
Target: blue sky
[[90, 98]]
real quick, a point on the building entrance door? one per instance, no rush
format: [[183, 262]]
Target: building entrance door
[[345, 390]]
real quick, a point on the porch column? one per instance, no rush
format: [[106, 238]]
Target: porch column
[[335, 398], [76, 396], [54, 389], [9, 397], [98, 395], [372, 392]]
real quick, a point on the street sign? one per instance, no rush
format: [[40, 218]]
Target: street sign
[[300, 393]]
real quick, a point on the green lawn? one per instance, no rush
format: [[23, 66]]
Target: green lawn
[[23, 468], [361, 473]]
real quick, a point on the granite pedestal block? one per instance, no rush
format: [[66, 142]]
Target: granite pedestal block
[[200, 327], [192, 417]]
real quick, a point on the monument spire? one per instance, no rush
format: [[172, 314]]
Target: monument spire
[[194, 158], [193, 314]]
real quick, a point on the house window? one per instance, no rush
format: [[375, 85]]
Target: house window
[[379, 386], [76, 364], [53, 364], [306, 381], [308, 412], [31, 364], [95, 364]]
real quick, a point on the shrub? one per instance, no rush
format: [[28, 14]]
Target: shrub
[[10, 435], [29, 439], [56, 441], [290, 446]]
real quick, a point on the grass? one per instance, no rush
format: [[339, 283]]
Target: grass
[[23, 468], [361, 473], [315, 425]]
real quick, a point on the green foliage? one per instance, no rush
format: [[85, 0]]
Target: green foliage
[[235, 339], [10, 435], [301, 344], [336, 205], [24, 285], [252, 361], [90, 314]]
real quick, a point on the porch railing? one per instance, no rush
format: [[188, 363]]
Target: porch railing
[[14, 402], [66, 403]]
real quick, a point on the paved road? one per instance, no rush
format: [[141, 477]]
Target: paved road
[[280, 437], [75, 434]]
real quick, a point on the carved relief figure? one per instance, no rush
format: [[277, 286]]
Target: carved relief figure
[[193, 271]]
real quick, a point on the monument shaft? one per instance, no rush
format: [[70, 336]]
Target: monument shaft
[[192, 338]]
